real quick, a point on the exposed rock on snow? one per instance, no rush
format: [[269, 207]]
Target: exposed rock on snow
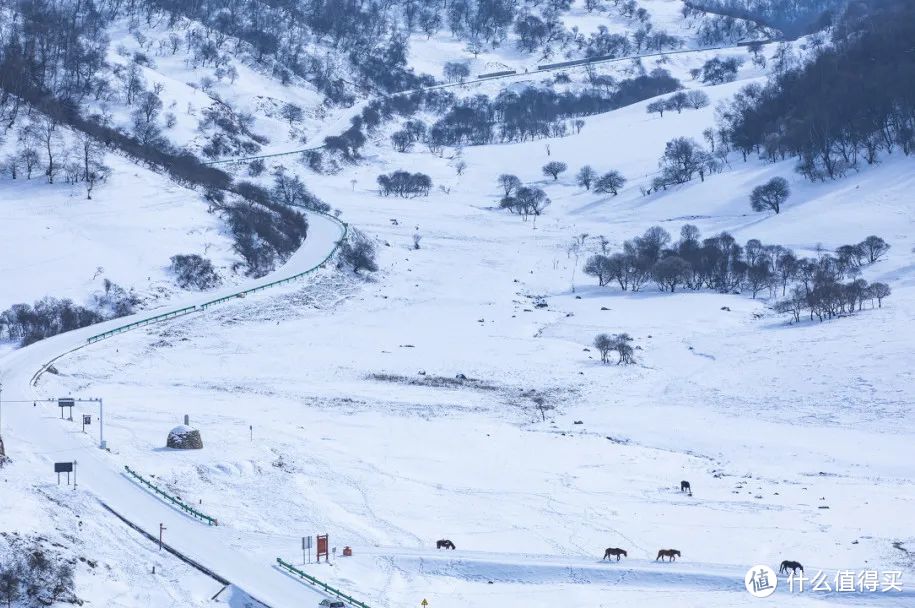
[[184, 438]]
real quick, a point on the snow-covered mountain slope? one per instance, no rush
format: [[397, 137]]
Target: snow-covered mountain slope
[[61, 244], [440, 398]]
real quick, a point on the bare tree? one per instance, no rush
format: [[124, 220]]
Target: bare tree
[[133, 83], [586, 176], [875, 248], [10, 583], [30, 159], [292, 113], [619, 343], [11, 165], [509, 183], [879, 291], [771, 195], [554, 168], [610, 183], [604, 344], [46, 131], [456, 71], [656, 107]]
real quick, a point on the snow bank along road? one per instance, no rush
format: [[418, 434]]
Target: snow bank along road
[[37, 429]]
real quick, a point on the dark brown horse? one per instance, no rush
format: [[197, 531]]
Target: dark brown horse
[[614, 551], [671, 554], [795, 566], [444, 544]]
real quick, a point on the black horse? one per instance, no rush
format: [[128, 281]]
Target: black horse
[[614, 551], [795, 566], [444, 544], [684, 487], [671, 554]]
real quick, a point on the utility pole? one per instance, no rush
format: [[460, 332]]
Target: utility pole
[[162, 528], [101, 424], [1, 409]]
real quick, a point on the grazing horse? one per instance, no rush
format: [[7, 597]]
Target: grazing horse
[[684, 487], [795, 566], [672, 554], [444, 544], [614, 551]]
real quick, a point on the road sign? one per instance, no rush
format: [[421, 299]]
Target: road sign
[[322, 548], [66, 402], [65, 467]]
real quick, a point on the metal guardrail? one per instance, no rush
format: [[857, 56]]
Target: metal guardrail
[[172, 499], [164, 316], [496, 74], [240, 294], [294, 277], [320, 584]]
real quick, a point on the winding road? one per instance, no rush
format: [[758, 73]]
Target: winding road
[[38, 431]]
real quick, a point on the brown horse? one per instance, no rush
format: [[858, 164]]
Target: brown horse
[[795, 566], [444, 544], [614, 551], [671, 554]]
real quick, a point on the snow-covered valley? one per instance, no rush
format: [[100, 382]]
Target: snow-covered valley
[[456, 392]]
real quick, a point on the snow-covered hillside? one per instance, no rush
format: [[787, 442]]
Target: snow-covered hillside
[[456, 393]]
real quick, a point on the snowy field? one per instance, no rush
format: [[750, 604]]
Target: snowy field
[[334, 405], [793, 437]]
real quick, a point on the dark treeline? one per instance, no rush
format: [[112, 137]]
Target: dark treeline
[[855, 101], [52, 60], [536, 112], [281, 35], [290, 38], [265, 226], [712, 29], [511, 116], [404, 184], [348, 144], [825, 286], [46, 317], [194, 272], [266, 230], [791, 18], [50, 316]]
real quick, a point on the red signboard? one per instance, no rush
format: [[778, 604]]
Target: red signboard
[[322, 547]]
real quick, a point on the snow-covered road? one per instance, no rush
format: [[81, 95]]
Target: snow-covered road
[[28, 428]]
